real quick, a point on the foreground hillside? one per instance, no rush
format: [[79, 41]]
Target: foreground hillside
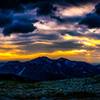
[[69, 89]]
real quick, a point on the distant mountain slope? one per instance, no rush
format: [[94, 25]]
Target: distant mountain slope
[[43, 68]]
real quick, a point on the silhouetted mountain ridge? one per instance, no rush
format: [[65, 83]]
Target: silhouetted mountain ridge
[[44, 68]]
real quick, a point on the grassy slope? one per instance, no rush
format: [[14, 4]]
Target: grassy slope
[[88, 87]]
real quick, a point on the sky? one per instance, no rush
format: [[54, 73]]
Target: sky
[[52, 28]]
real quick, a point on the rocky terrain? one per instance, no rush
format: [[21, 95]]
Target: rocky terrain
[[69, 89]]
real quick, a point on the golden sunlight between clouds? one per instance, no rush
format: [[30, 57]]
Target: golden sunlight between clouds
[[90, 42]]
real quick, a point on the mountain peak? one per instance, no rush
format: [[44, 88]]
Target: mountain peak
[[63, 59], [42, 58]]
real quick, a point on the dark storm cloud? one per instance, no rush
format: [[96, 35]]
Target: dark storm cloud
[[18, 27], [23, 20], [16, 22], [66, 45], [22, 43], [62, 45], [13, 4], [42, 36], [45, 8], [74, 1], [71, 19], [4, 19], [46, 36], [92, 20], [49, 37], [97, 8], [23, 17], [78, 34], [72, 33], [8, 17], [17, 4]]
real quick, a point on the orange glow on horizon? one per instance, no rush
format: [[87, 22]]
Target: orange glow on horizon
[[81, 55]]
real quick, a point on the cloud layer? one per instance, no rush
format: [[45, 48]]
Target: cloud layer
[[92, 20], [50, 28]]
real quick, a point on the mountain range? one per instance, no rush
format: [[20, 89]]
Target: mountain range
[[44, 69]]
